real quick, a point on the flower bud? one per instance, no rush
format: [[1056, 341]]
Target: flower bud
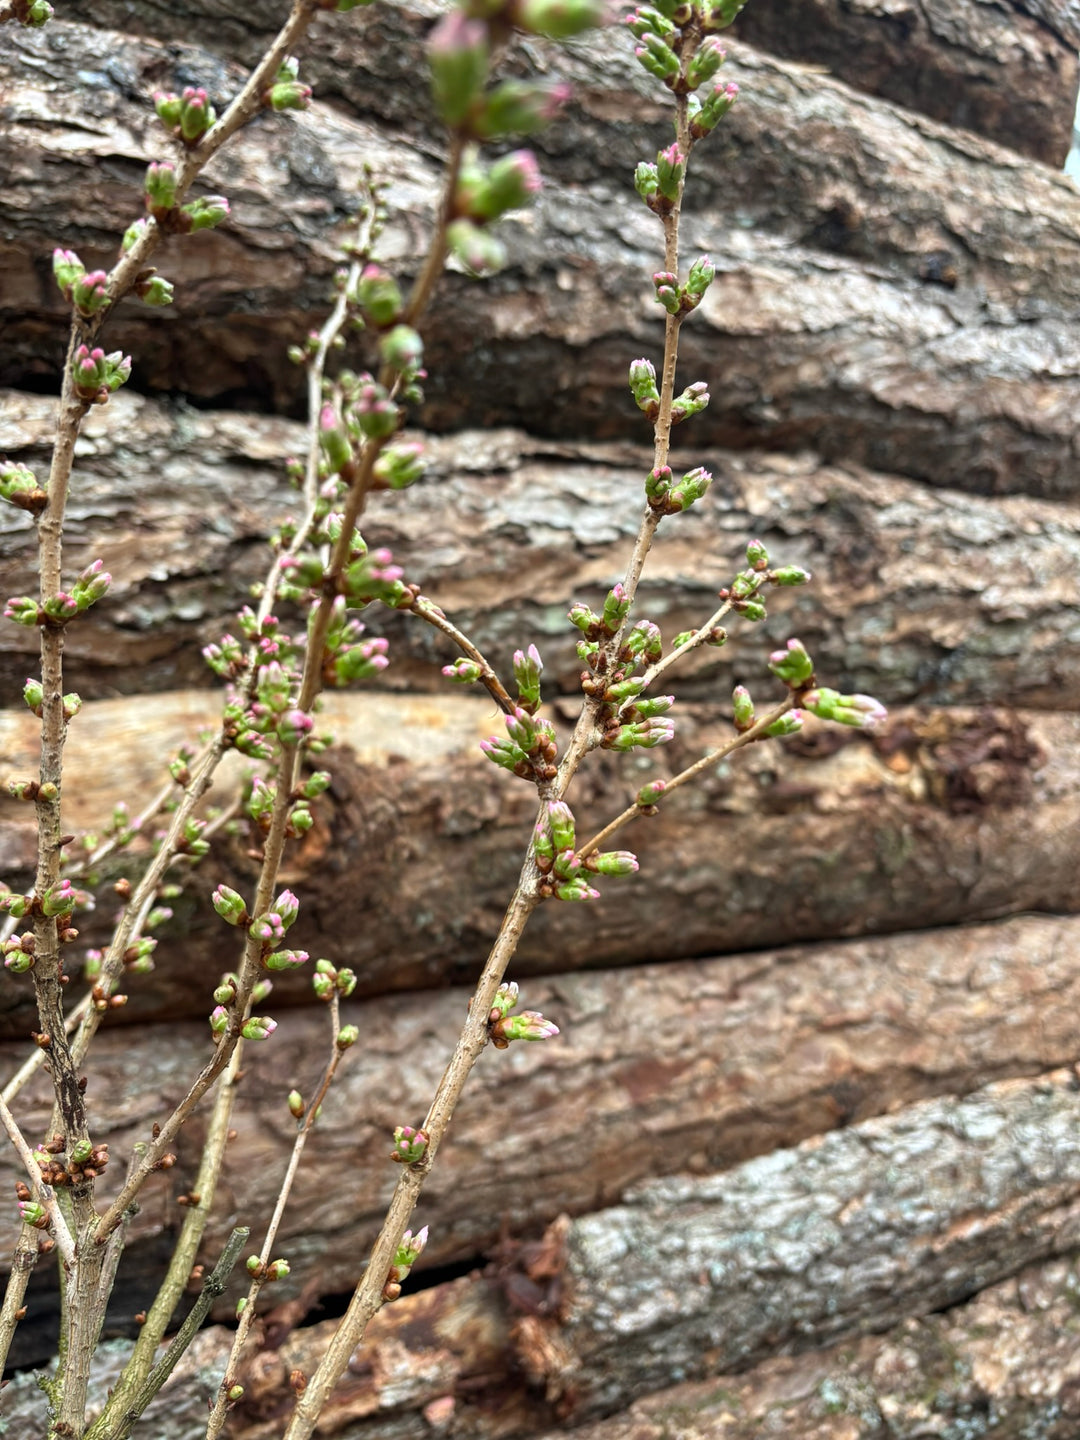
[[527, 670], [259, 1027], [789, 575], [692, 401], [643, 387], [160, 187], [646, 183], [409, 1145], [861, 711], [229, 905], [399, 466], [204, 213], [463, 672], [670, 171], [705, 115], [688, 490], [408, 1252], [757, 557], [19, 487], [522, 730], [31, 1212], [479, 252], [576, 890], [752, 610], [458, 56], [561, 822], [743, 707], [296, 1104], [793, 665], [347, 1036], [196, 115], [529, 1025], [34, 14], [23, 609], [658, 484], [293, 726], [68, 270], [91, 586], [789, 724], [558, 19], [650, 794], [287, 93], [510, 184], [616, 608], [379, 297], [277, 1270], [504, 1000], [653, 705], [154, 290], [88, 292], [58, 898], [516, 108], [613, 862], [219, 1018], [658, 58], [285, 959]]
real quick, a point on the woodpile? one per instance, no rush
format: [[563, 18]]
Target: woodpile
[[804, 1156]]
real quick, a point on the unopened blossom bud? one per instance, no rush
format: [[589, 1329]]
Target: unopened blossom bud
[[204, 213], [402, 348], [315, 784], [33, 695], [529, 1025], [624, 690], [34, 14], [167, 107], [287, 93], [19, 487], [504, 1000], [477, 250], [657, 58], [463, 672], [670, 170], [789, 724], [561, 822], [91, 586], [408, 1252], [277, 1270], [347, 1036], [658, 484], [752, 610], [134, 233], [505, 754], [322, 983], [707, 114], [219, 1019], [379, 297], [616, 608], [789, 575], [668, 293], [743, 708], [229, 905], [61, 607], [643, 641], [528, 667], [409, 1145], [15, 905], [154, 290], [558, 19], [58, 898], [576, 890], [17, 960], [688, 490], [160, 187], [643, 734], [376, 413], [293, 726], [399, 466], [613, 862], [300, 820], [718, 14], [757, 557], [259, 1027], [645, 19], [692, 401], [522, 730], [287, 908], [516, 108], [510, 184], [654, 705], [31, 1212], [458, 56], [68, 270], [88, 292], [196, 115], [650, 794], [581, 616], [793, 665], [285, 959], [705, 62], [861, 711], [643, 386], [646, 183], [296, 1104], [253, 1265]]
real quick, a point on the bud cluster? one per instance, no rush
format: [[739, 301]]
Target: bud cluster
[[565, 874], [530, 748], [405, 1257], [504, 1026], [329, 981], [85, 1162]]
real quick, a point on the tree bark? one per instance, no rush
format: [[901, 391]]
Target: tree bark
[[940, 817], [868, 1229], [896, 293], [1009, 74], [919, 596], [998, 71], [658, 1069]]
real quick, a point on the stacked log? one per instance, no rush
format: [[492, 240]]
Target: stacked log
[[787, 1118]]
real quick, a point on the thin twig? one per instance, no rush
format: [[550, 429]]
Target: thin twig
[[42, 1193], [426, 609], [22, 1263]]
